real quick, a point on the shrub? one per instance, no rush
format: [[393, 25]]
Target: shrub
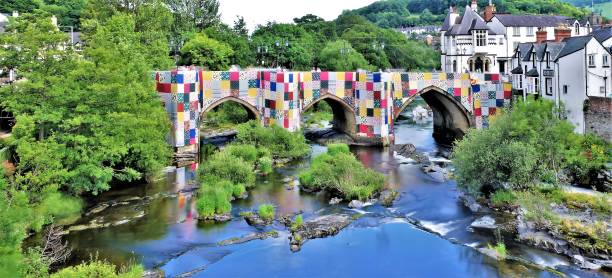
[[500, 248], [225, 166], [265, 165], [227, 114], [247, 152], [238, 190], [214, 196], [335, 148], [523, 147], [281, 142], [343, 174], [98, 269], [266, 212], [298, 221], [503, 198]]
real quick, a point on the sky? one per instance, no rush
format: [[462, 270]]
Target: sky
[[283, 11]]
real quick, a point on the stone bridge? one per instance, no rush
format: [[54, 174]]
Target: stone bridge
[[364, 104]]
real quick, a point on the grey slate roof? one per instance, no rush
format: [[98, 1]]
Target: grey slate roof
[[532, 73], [602, 34], [468, 22], [512, 20], [554, 48], [517, 70], [573, 44], [446, 23], [524, 49]]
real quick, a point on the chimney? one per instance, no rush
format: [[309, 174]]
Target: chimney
[[15, 14], [562, 32], [474, 5], [541, 35], [453, 15], [489, 11], [54, 20]]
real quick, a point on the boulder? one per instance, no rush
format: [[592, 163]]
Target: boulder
[[334, 201], [356, 204], [583, 263], [387, 197], [97, 209], [224, 217], [471, 203], [319, 227], [486, 222], [253, 219]]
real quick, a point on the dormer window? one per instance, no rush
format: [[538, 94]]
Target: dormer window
[[577, 28]]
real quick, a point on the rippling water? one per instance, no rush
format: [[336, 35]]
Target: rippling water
[[380, 244]]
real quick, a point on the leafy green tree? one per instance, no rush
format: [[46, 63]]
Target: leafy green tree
[[204, 51], [83, 121], [242, 54], [340, 56], [240, 27], [288, 45], [193, 15]]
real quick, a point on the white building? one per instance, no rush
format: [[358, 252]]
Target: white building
[[486, 43], [568, 72]]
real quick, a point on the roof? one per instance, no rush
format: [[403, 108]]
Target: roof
[[602, 34], [539, 49], [554, 48], [468, 22], [533, 72], [573, 44], [517, 70], [512, 20], [446, 24], [524, 49], [527, 56]]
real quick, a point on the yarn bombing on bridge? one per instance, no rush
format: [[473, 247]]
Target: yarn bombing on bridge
[[365, 104]]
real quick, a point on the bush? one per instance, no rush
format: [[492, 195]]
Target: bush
[[523, 147], [265, 165], [247, 152], [335, 148], [298, 221], [503, 198], [225, 166], [343, 174], [266, 212], [214, 199], [98, 269], [280, 142], [227, 114]]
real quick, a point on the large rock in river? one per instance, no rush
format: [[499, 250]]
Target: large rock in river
[[319, 227]]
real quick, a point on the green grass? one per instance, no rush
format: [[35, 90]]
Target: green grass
[[503, 198], [298, 221], [500, 248], [280, 142], [266, 212]]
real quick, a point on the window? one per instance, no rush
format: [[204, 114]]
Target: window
[[549, 87], [537, 85], [481, 37], [516, 31], [501, 41], [605, 61], [530, 31], [520, 81], [591, 60], [547, 59], [565, 89], [577, 28]]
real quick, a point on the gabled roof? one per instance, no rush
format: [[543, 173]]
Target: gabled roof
[[539, 49], [602, 34], [512, 20], [446, 24], [528, 53], [468, 22], [524, 49], [573, 44]]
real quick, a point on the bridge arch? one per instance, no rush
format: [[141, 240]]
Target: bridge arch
[[252, 112], [451, 119], [344, 114]]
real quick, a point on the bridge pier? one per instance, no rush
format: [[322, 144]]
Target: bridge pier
[[364, 104]]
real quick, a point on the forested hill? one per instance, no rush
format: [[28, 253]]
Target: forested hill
[[403, 13]]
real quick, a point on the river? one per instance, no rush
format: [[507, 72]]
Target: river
[[155, 225]]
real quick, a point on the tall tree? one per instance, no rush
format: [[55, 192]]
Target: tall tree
[[204, 51], [194, 14], [240, 27]]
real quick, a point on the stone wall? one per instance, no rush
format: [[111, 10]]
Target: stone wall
[[598, 117]]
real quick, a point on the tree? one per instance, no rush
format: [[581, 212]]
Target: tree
[[240, 27], [204, 51], [340, 56], [193, 14], [83, 121], [308, 19], [288, 45], [242, 53]]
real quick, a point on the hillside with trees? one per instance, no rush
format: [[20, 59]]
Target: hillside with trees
[[403, 13]]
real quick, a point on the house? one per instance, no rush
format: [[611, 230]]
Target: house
[[486, 43], [571, 71]]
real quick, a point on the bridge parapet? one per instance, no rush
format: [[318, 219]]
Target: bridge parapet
[[374, 98]]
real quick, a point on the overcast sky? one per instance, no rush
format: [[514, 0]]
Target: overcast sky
[[261, 11]]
